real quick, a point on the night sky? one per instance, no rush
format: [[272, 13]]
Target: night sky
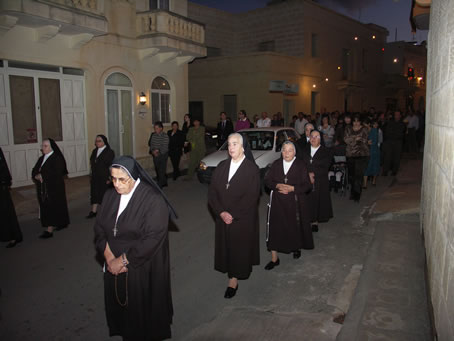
[[391, 14]]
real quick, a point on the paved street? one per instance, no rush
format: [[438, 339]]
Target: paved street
[[52, 289]]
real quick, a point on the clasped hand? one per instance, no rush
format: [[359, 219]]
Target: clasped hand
[[115, 266], [284, 189], [226, 217]]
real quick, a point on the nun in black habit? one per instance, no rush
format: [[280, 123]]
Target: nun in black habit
[[49, 174], [10, 230], [318, 160], [100, 161], [233, 197], [288, 223], [131, 233]]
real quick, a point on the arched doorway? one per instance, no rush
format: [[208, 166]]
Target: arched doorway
[[118, 103]]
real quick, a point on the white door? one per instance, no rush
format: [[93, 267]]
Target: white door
[[35, 103], [119, 117]]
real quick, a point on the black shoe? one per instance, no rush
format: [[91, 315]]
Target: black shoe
[[46, 235], [271, 265], [91, 215], [230, 292], [314, 228], [13, 243], [296, 254], [59, 228]]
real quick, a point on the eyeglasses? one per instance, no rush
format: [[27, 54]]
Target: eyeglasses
[[99, 141], [123, 181], [315, 137]]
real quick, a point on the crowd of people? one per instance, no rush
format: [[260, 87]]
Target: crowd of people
[[132, 213]]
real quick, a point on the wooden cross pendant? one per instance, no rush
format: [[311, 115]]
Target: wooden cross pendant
[[115, 230], [227, 185], [285, 180]]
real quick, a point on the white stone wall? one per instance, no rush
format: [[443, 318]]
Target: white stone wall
[[437, 207]]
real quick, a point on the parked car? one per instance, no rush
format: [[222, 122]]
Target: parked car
[[265, 143]]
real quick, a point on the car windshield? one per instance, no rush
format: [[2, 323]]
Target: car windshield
[[258, 140]]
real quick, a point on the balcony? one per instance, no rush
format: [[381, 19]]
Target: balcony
[[78, 20], [169, 36]]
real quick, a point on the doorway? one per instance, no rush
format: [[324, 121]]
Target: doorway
[[119, 116]]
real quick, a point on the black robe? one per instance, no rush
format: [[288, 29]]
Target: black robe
[[10, 229], [100, 173], [320, 197], [143, 236], [289, 216], [51, 192], [237, 246]]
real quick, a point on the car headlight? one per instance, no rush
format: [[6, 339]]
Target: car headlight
[[203, 166]]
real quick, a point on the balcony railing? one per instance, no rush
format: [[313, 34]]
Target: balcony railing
[[163, 22]]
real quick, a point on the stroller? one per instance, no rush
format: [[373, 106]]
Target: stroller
[[338, 175]]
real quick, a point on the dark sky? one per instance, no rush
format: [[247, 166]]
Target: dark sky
[[391, 14]]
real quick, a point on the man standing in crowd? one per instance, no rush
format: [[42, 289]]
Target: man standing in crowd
[[265, 121], [159, 149], [393, 136], [176, 144], [300, 124], [412, 127], [224, 129]]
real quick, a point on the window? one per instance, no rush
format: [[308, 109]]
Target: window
[[160, 100], [280, 139], [23, 109], [314, 45], [49, 97], [266, 46], [159, 4], [118, 79]]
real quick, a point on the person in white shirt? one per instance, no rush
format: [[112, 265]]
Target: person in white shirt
[[300, 123], [265, 121]]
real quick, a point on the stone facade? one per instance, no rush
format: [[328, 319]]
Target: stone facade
[[438, 181], [331, 57], [97, 38]]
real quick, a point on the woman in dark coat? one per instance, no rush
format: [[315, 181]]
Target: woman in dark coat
[[131, 233], [288, 226], [100, 161], [318, 160], [10, 230], [49, 174], [233, 197], [176, 143], [357, 140]]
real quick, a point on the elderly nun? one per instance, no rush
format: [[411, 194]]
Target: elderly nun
[[131, 234], [233, 197], [288, 223]]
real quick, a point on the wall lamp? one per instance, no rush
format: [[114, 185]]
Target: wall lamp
[[142, 98]]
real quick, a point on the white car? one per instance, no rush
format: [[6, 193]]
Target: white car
[[265, 143]]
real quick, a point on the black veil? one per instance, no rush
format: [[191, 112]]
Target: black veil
[[135, 170], [57, 152]]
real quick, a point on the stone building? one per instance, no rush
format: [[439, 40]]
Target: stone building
[[325, 60], [71, 69], [437, 204]]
